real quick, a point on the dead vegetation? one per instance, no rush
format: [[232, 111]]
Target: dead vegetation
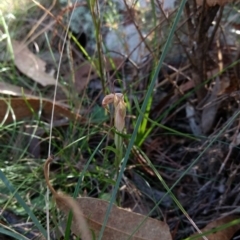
[[190, 133]]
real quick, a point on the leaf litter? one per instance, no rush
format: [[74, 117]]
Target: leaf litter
[[171, 153]]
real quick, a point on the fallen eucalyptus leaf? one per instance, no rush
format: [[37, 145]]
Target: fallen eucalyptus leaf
[[15, 109], [121, 223], [9, 89], [31, 65]]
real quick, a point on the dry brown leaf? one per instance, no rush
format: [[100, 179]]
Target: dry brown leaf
[[31, 65], [121, 223], [211, 3], [9, 89], [15, 109], [225, 234]]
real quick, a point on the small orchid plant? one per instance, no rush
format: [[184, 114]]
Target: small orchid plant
[[119, 121]]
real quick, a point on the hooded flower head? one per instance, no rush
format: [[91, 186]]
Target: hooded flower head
[[119, 109]]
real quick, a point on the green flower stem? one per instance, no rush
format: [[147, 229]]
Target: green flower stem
[[119, 149]]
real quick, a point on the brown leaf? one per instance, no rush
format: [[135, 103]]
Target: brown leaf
[[9, 89], [12, 109], [121, 223], [31, 65], [224, 234]]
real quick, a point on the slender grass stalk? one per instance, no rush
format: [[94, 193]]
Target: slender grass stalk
[[77, 188], [9, 44], [11, 233], [95, 11], [52, 117], [170, 130], [118, 139]]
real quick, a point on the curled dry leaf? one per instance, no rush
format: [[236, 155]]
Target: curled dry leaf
[[15, 109], [67, 204], [31, 65], [224, 234], [121, 223], [211, 3]]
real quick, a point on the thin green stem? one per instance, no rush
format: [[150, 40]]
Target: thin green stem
[[119, 150]]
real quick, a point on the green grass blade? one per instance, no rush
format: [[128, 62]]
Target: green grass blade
[[23, 204], [155, 123], [12, 233], [174, 105], [77, 188]]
